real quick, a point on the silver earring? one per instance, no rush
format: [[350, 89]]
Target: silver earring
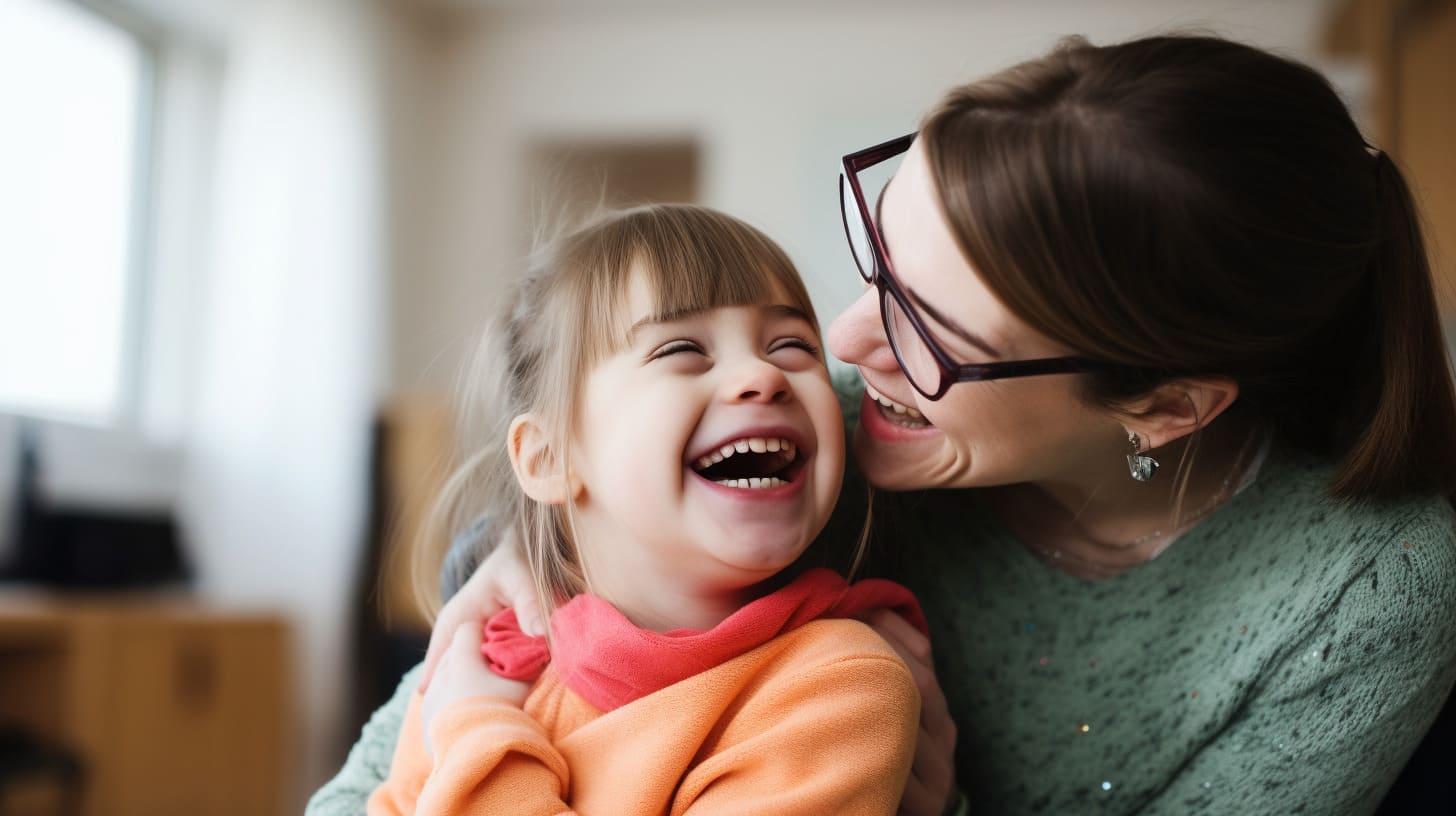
[[1140, 466]]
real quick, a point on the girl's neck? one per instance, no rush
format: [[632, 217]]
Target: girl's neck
[[664, 602]]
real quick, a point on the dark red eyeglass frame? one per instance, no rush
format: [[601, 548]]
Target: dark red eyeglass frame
[[881, 275]]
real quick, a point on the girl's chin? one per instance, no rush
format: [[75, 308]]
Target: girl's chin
[[747, 562]]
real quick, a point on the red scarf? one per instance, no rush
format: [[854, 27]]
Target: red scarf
[[610, 662]]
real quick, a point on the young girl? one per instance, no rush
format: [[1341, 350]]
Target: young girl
[[674, 445]]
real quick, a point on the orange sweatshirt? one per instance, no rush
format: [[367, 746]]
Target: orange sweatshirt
[[821, 718]]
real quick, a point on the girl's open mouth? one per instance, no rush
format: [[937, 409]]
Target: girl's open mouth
[[752, 463]]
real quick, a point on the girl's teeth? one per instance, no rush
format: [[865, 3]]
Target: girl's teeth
[[753, 483], [758, 444]]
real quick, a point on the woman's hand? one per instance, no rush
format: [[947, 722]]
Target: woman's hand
[[500, 581], [462, 673], [931, 790]]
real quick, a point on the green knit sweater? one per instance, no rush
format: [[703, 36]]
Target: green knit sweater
[[1286, 655]]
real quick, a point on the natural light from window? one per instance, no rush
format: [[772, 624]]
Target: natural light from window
[[70, 84]]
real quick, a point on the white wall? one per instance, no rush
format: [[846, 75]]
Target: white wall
[[775, 95], [288, 360]]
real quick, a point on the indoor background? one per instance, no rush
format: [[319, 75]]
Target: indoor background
[[245, 247]]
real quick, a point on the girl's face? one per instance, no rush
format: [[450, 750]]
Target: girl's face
[[708, 452], [979, 433]]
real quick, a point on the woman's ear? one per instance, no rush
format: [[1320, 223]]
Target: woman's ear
[[535, 462], [1178, 408]]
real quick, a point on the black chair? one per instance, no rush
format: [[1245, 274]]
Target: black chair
[[24, 758]]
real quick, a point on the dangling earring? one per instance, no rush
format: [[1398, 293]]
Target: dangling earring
[[1141, 467]]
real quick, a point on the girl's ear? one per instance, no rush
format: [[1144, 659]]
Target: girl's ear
[[535, 462], [1178, 408]]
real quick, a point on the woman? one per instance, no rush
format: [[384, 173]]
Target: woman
[[1180, 252]]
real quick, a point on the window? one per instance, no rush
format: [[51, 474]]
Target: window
[[73, 118]]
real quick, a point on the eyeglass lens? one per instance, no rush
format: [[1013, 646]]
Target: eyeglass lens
[[872, 181], [854, 230], [915, 357]]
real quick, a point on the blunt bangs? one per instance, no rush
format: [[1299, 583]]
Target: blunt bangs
[[694, 259]]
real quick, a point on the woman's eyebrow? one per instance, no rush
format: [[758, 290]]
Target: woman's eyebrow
[[955, 328], [879, 205]]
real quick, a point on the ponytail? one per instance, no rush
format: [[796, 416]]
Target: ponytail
[[1404, 436]]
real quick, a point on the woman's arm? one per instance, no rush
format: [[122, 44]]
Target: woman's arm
[[467, 732], [1337, 718], [489, 756], [369, 759]]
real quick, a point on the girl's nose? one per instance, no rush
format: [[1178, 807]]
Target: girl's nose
[[757, 381], [857, 336]]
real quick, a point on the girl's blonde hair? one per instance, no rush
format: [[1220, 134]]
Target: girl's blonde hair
[[564, 316]]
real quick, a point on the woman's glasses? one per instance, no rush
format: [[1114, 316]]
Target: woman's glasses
[[926, 364]]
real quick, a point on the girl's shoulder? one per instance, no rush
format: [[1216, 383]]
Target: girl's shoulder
[[821, 642], [829, 658]]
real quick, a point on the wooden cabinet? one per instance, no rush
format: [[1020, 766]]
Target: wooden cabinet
[[170, 707]]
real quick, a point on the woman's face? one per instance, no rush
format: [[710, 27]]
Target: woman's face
[[979, 433]]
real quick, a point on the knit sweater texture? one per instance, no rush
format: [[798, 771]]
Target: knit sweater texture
[[1284, 656]]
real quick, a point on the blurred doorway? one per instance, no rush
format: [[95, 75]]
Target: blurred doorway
[[572, 178]]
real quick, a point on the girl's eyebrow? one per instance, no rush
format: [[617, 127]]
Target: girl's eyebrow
[[772, 309], [784, 310]]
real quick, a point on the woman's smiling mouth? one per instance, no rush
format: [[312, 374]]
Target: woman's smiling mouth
[[902, 415]]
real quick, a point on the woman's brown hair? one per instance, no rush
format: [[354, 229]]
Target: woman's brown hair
[[1187, 205]]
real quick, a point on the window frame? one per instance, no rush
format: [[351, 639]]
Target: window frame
[[141, 217]]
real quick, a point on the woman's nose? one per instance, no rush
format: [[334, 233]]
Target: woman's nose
[[857, 336], [757, 380]]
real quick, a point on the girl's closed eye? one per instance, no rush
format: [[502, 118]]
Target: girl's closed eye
[[792, 348], [795, 343], [682, 353], [676, 347]]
